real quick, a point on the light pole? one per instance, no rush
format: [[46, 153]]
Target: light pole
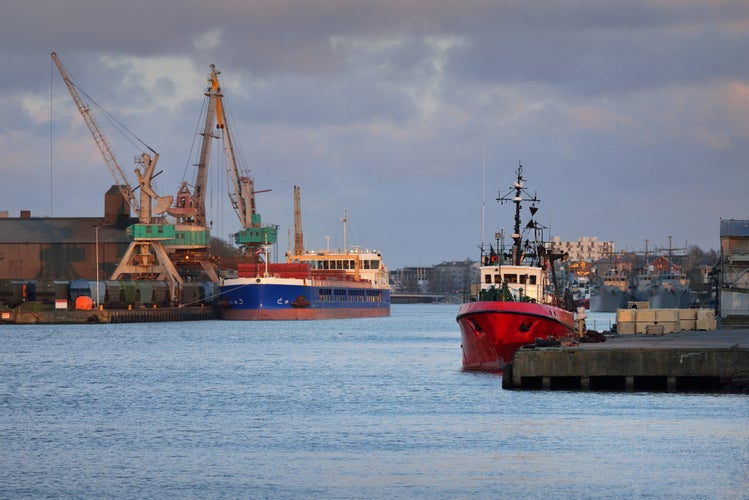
[[96, 232]]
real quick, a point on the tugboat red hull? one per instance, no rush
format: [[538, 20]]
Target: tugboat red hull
[[492, 331]]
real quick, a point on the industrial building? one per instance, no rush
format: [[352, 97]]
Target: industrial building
[[65, 248], [734, 275]]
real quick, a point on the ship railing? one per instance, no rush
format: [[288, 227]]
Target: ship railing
[[342, 284]]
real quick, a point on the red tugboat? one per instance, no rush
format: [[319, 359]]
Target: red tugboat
[[513, 307]]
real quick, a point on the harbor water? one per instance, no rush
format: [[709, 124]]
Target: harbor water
[[365, 408]]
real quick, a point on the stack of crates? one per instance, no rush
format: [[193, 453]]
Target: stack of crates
[[706, 319], [649, 321], [668, 319], [688, 319], [645, 317], [625, 321]]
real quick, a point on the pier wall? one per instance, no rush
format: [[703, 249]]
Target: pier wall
[[702, 361], [18, 316]]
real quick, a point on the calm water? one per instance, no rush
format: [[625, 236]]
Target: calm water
[[335, 409]]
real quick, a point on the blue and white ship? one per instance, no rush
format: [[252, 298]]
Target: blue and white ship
[[348, 283]]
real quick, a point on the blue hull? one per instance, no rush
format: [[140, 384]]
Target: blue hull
[[293, 302]]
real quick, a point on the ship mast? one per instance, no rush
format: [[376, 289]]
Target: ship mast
[[344, 220], [517, 195]]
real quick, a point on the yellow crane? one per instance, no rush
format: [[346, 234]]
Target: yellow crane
[[190, 208]]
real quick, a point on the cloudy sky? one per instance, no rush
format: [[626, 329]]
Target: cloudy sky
[[631, 119]]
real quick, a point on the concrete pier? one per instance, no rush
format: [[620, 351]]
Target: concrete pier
[[715, 361]]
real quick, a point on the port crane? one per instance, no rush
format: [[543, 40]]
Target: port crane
[[189, 209], [146, 256], [253, 235], [190, 248]]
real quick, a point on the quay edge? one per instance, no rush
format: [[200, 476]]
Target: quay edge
[[715, 361], [95, 316]]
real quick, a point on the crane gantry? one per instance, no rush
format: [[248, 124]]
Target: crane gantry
[[173, 251]]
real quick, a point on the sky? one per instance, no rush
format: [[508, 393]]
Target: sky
[[630, 119]]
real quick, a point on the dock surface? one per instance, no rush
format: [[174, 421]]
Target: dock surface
[[688, 361]]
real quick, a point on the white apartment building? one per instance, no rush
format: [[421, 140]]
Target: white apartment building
[[585, 248]]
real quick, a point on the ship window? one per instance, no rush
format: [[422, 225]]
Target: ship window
[[487, 278], [533, 280], [498, 278], [523, 279], [511, 278]]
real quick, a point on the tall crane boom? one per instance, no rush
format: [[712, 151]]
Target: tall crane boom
[[190, 208], [298, 236], [242, 192], [253, 234], [99, 138], [201, 178]]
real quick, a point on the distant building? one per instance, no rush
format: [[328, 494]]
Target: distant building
[[661, 265], [411, 279], [447, 279], [587, 248], [455, 277], [734, 274], [616, 263]]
